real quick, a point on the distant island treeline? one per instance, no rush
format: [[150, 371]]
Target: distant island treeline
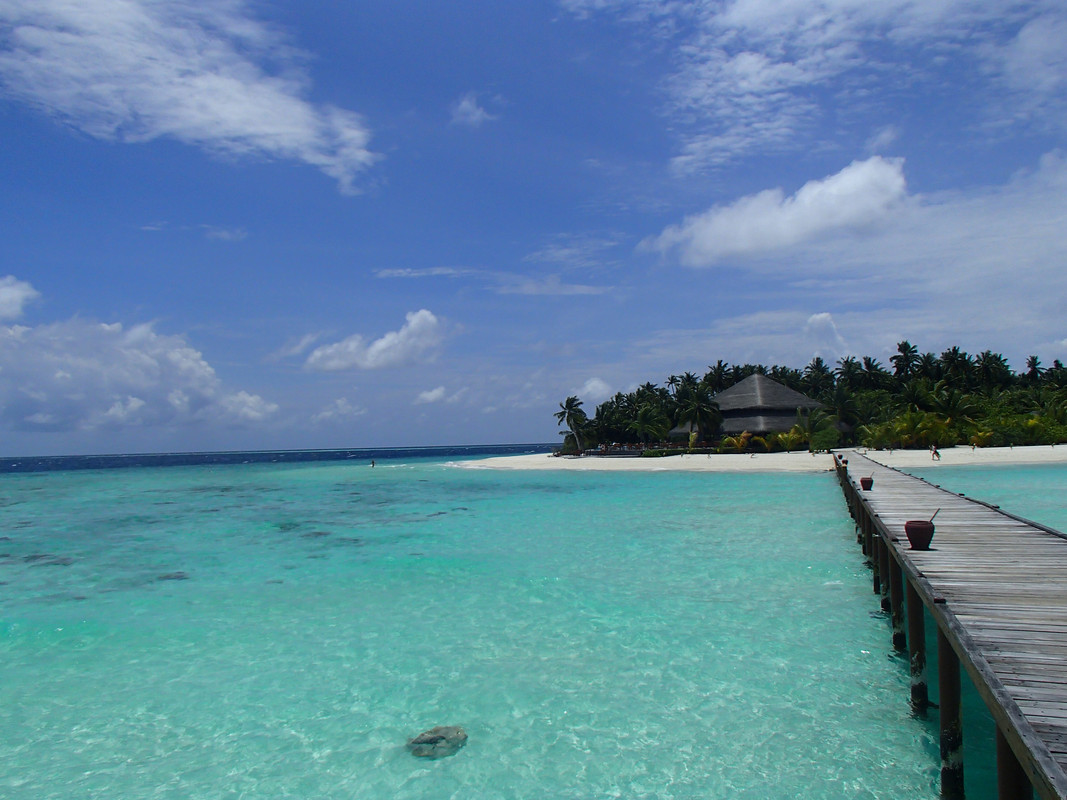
[[920, 400]]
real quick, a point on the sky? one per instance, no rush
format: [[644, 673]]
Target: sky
[[235, 224]]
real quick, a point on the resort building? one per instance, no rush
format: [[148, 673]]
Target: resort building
[[760, 406]]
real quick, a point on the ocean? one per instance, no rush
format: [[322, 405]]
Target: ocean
[[280, 630]]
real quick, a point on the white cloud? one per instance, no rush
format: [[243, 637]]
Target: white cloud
[[1034, 66], [576, 251], [14, 295], [468, 113], [760, 76], [548, 285], [340, 408], [224, 234], [81, 375], [594, 390], [245, 407], [291, 348], [883, 139], [982, 268], [134, 70], [417, 340], [439, 394], [862, 193], [427, 272], [431, 396], [822, 331]]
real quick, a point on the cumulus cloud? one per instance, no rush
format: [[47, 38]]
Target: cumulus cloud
[[862, 193], [81, 375], [209, 75], [431, 396], [822, 331], [594, 390], [14, 295], [245, 407], [417, 340], [466, 112], [439, 394], [981, 268]]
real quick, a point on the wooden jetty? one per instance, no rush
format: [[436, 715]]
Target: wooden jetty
[[996, 587]]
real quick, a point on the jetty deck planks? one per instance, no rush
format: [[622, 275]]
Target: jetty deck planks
[[997, 587]]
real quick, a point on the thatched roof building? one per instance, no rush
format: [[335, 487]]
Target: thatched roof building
[[759, 405]]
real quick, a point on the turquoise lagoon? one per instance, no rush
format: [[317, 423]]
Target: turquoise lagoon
[[280, 631]]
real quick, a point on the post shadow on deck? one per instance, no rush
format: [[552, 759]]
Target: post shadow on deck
[[900, 597]]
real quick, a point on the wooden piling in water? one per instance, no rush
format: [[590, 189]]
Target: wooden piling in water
[[1001, 614], [883, 569], [896, 605], [920, 694], [951, 729]]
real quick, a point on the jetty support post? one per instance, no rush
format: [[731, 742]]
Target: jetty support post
[[1012, 781], [884, 563], [948, 682], [870, 540], [876, 563], [920, 693], [896, 602]]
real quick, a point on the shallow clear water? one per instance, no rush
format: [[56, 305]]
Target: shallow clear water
[[275, 631], [1033, 491]]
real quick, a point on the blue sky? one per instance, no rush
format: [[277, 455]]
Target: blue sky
[[231, 225]]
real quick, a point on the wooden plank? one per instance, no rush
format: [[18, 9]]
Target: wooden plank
[[995, 585]]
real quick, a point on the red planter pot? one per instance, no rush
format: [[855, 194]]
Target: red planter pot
[[919, 532], [866, 484]]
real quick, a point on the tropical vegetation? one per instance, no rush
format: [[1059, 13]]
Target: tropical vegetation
[[919, 400]]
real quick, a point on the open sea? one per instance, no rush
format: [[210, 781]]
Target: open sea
[[281, 629]]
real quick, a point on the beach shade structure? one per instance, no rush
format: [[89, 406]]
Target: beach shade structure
[[760, 405]]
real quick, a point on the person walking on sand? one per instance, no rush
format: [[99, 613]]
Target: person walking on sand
[[934, 454]]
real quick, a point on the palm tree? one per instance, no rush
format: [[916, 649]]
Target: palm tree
[[992, 370], [571, 414], [817, 377], [696, 407], [905, 361], [650, 423], [958, 366], [848, 372], [1033, 370], [928, 366], [843, 403], [718, 376], [874, 374]]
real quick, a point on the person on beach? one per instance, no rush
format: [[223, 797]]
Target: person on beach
[[935, 455]]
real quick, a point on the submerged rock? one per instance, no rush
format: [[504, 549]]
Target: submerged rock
[[444, 740]]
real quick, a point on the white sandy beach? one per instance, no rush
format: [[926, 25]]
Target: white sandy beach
[[782, 462]]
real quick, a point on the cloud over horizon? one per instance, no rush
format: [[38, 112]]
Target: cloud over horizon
[[78, 375], [210, 76], [860, 194], [416, 340]]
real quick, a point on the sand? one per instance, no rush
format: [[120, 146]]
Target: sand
[[781, 462]]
